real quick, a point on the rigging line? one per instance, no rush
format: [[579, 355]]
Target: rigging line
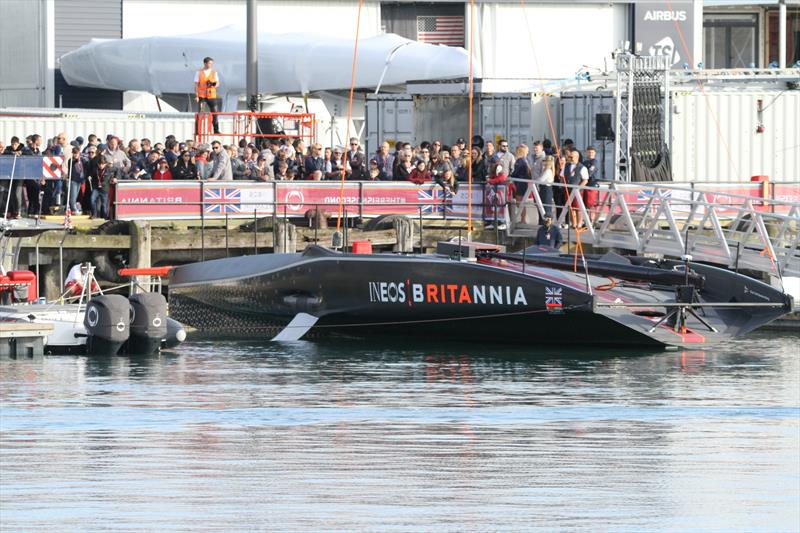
[[702, 87], [469, 147], [349, 115], [541, 86]]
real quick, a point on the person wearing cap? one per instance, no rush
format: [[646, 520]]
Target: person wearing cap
[[77, 276], [548, 234], [201, 161], [375, 172]]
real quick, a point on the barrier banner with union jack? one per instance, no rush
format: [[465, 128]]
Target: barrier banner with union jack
[[31, 167]]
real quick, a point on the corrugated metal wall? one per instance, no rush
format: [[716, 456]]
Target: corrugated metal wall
[[124, 125], [76, 23], [699, 149], [23, 53], [506, 116]]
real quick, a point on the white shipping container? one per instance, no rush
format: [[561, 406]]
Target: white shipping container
[[48, 123], [715, 136]]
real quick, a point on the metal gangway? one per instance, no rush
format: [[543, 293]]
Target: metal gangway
[[733, 230]]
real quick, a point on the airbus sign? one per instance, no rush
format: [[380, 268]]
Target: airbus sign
[[658, 15], [665, 31]]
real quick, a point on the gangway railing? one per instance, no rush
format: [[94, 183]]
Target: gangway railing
[[733, 230]]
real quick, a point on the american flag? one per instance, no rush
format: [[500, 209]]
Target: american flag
[[222, 200], [447, 30], [552, 297]]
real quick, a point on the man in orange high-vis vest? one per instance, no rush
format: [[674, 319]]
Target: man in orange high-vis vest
[[206, 81]]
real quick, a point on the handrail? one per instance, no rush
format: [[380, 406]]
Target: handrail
[[670, 219]]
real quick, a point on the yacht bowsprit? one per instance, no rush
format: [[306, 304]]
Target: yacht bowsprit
[[472, 292]]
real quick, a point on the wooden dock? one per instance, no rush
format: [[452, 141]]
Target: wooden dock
[[23, 339]]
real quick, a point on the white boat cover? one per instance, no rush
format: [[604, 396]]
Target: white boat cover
[[290, 63]]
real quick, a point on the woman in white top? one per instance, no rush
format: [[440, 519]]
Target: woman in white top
[[545, 184]]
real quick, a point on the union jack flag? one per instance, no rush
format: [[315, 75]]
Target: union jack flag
[[552, 297], [222, 200], [432, 200]]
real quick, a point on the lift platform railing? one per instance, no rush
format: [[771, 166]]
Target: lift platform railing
[[255, 126], [734, 230]]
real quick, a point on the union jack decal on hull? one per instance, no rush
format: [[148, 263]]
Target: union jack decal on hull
[[553, 299]]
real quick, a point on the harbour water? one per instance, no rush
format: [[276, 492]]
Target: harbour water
[[350, 436]]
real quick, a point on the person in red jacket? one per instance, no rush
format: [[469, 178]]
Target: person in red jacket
[[162, 170], [495, 197], [420, 174]]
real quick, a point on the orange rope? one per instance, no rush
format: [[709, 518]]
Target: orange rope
[[607, 286], [469, 137], [578, 248], [349, 116], [702, 91]]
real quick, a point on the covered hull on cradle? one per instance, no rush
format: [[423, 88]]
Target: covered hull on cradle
[[323, 293]]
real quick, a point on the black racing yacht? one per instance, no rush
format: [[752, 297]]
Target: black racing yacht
[[472, 292]]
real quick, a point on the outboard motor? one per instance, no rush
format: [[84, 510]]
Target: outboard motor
[[148, 323], [107, 323]]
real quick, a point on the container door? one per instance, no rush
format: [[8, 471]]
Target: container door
[[389, 118]]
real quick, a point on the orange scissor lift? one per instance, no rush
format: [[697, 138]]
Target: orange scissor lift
[[245, 125]]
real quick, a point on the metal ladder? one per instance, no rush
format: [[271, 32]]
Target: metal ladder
[[736, 231]]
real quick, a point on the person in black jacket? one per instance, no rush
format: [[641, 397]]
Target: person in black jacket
[[548, 234], [478, 166], [184, 168]]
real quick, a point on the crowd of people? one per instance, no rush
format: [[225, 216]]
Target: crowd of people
[[93, 165]]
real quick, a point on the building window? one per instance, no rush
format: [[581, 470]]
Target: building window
[[792, 36], [730, 40]]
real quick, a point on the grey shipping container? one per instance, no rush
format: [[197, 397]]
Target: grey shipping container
[[506, 116], [389, 118], [583, 117]]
